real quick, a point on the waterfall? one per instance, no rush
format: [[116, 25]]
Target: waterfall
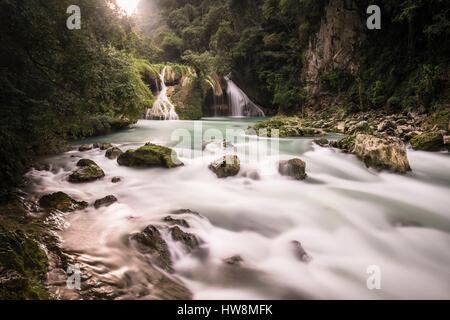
[[239, 102], [162, 109]]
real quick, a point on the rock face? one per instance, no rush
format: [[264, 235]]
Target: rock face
[[428, 141], [188, 239], [295, 168], [88, 171], [341, 29], [150, 155], [151, 242], [113, 153], [105, 202], [382, 153], [226, 166], [62, 202]]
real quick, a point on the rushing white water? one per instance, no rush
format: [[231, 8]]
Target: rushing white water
[[240, 103], [346, 217], [162, 109]]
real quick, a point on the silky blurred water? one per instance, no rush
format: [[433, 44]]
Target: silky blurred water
[[346, 216]]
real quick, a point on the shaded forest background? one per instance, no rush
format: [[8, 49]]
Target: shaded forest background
[[58, 84]]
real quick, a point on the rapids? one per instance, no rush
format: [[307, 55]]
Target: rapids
[[346, 216]]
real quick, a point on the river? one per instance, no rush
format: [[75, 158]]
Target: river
[[348, 219]]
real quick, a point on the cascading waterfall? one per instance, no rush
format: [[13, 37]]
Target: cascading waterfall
[[162, 109], [240, 103]]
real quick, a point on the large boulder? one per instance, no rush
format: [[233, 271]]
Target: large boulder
[[88, 171], [150, 155], [428, 141], [62, 202], [113, 153], [150, 242], [386, 153], [227, 166], [295, 168]]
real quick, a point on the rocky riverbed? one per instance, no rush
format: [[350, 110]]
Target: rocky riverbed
[[140, 226]]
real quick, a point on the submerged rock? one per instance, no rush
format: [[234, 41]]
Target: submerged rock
[[151, 242], [88, 171], [102, 145], [215, 146], [188, 239], [62, 202], [235, 260], [428, 141], [150, 155], [113, 153], [85, 147], [105, 202], [295, 168], [382, 153], [116, 179], [226, 166], [300, 252]]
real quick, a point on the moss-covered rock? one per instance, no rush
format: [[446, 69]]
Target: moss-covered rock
[[150, 155], [150, 242], [113, 153], [226, 166], [284, 127], [23, 260], [62, 202], [347, 143], [88, 171], [382, 153], [85, 147], [295, 168], [428, 141], [86, 163], [323, 142], [360, 127]]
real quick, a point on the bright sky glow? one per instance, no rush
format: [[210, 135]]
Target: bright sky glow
[[129, 6]]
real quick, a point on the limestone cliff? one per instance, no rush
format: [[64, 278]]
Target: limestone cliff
[[333, 46]]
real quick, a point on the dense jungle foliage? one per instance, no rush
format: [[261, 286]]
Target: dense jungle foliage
[[57, 83], [262, 42]]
